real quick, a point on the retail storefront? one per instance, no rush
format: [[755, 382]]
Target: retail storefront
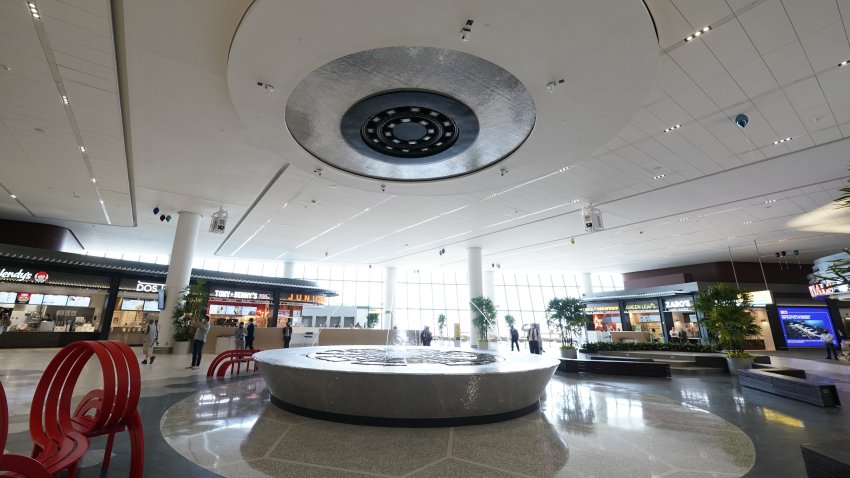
[[138, 301], [605, 316], [681, 318], [47, 306], [644, 316]]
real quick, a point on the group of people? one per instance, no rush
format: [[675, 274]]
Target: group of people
[[534, 338]]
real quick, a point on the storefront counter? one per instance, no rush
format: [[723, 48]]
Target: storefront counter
[[265, 338], [11, 340], [130, 335]]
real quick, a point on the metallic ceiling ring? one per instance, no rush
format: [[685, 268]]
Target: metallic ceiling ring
[[457, 113]]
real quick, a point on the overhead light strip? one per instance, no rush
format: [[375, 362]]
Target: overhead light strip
[[574, 201], [344, 222], [442, 239]]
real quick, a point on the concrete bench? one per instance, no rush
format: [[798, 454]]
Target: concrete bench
[[788, 383], [621, 359], [826, 460], [615, 367]]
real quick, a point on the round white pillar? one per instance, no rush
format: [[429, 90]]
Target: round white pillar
[[288, 269], [476, 288], [179, 270], [586, 284], [388, 320]]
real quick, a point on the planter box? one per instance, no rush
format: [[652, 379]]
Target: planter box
[[483, 345], [569, 353], [736, 364], [180, 348]]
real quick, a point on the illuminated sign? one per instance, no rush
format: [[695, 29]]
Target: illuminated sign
[[761, 298], [641, 306], [602, 308], [238, 294], [148, 286], [825, 289], [684, 303], [22, 275], [312, 299]]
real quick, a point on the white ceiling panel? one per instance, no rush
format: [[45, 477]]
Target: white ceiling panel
[[768, 26], [827, 47], [809, 16]]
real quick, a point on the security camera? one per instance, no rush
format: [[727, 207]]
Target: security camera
[[383, 187], [313, 201], [741, 121]]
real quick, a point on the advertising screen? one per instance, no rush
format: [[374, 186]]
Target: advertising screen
[[36, 299], [54, 300], [151, 306], [802, 326], [8, 297], [132, 304], [78, 301], [218, 309], [23, 298]]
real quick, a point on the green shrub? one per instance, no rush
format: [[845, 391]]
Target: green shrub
[[647, 346]]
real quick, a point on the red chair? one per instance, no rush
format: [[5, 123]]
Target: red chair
[[229, 359], [16, 464], [105, 411]]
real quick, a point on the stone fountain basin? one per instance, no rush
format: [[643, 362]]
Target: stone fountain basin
[[410, 386]]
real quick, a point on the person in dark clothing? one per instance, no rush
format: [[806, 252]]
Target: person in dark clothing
[[425, 337], [514, 338], [287, 335], [829, 343], [534, 340], [249, 336]]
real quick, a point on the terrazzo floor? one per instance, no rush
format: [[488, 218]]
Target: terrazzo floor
[[587, 426]]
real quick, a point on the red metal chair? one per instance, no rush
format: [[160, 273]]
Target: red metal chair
[[16, 464], [105, 411], [229, 359]]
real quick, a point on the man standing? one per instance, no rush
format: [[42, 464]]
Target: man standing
[[534, 339], [151, 333], [514, 338], [249, 338], [829, 343], [425, 337], [240, 336], [287, 334], [200, 339]]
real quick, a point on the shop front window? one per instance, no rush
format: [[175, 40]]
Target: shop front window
[[644, 316], [45, 308]]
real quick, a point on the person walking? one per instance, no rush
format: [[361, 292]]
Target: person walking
[[5, 321], [249, 337], [151, 334], [287, 334], [425, 337], [829, 343], [200, 339], [240, 336], [534, 339], [514, 338]]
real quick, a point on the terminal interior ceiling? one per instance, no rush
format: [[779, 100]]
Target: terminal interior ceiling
[[109, 110]]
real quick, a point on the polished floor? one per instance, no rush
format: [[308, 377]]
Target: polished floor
[[588, 426]]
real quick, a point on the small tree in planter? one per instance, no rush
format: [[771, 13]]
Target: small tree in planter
[[568, 318], [441, 324], [371, 320], [729, 321], [485, 317], [192, 305]]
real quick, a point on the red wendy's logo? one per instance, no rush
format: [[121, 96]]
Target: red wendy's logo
[[40, 277]]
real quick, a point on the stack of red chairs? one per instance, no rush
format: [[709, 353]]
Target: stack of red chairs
[[62, 438]]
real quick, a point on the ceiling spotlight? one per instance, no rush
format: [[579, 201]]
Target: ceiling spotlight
[[659, 176], [843, 63], [565, 168], [697, 33], [13, 196], [770, 201], [683, 219], [383, 187], [503, 171], [674, 127], [550, 87], [82, 149], [156, 210], [64, 99], [269, 89], [747, 222], [780, 141], [93, 180], [466, 31]]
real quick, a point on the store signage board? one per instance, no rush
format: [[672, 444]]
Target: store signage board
[[802, 326], [602, 309], [8, 297], [761, 298], [634, 307], [238, 294], [679, 304], [305, 298], [826, 289], [154, 287], [23, 275]]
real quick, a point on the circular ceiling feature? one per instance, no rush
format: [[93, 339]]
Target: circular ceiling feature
[[394, 131], [440, 136]]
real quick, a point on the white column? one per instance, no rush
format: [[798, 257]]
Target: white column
[[586, 284], [490, 292], [288, 269], [476, 289], [179, 270], [388, 320]]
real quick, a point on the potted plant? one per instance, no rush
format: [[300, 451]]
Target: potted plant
[[568, 318], [729, 322], [371, 320], [484, 317], [441, 324], [510, 321], [192, 305]]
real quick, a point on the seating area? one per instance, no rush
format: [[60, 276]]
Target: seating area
[[605, 366], [791, 383], [232, 361], [681, 363], [827, 459], [60, 437]]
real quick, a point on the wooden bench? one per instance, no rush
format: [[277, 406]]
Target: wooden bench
[[615, 367], [827, 460], [789, 383], [230, 359]]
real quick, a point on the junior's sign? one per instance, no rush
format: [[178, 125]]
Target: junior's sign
[[311, 299]]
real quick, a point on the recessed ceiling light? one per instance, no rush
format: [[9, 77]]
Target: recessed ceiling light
[[6, 67], [780, 141], [747, 222], [697, 33], [565, 168], [770, 201], [676, 235], [659, 176], [64, 99], [82, 149], [674, 127], [93, 180], [683, 219], [843, 63], [13, 196], [730, 237]]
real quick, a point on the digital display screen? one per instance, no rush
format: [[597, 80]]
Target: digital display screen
[[36, 299], [217, 309], [151, 306], [245, 310], [132, 304], [78, 301], [54, 300], [8, 297], [802, 326]]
